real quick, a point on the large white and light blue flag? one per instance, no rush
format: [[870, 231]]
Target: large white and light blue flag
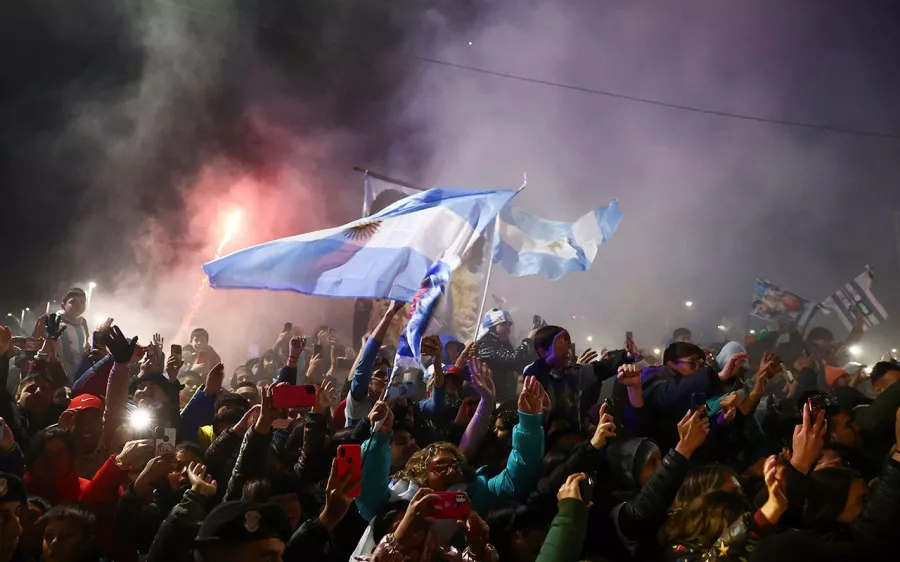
[[385, 255], [531, 245]]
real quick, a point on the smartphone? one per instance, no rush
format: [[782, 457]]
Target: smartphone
[[165, 440], [175, 351], [98, 340], [789, 376], [454, 505], [287, 327], [586, 489], [294, 396], [349, 459], [630, 347], [343, 363], [816, 404], [404, 389], [698, 401]]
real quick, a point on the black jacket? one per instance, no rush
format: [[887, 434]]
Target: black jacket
[[505, 361]]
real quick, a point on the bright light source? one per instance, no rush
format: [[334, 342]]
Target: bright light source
[[9, 314], [854, 350], [100, 319], [752, 332], [868, 370], [689, 303], [894, 350], [657, 351], [27, 309], [470, 43], [140, 419], [92, 285], [722, 328], [590, 338]]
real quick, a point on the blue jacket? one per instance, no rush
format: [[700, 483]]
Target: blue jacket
[[518, 479]]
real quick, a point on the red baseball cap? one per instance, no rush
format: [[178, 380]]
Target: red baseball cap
[[85, 402]]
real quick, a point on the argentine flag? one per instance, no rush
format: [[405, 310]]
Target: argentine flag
[[531, 245], [385, 255], [422, 320]]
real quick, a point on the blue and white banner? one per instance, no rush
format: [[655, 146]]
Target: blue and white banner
[[855, 300], [385, 255], [531, 245], [423, 319]]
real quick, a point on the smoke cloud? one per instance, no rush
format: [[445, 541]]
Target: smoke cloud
[[138, 126]]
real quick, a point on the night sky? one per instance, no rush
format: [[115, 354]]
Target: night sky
[[115, 115]]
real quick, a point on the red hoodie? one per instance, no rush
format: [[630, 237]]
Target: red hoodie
[[66, 489]]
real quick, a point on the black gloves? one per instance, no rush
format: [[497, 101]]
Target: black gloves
[[119, 347], [53, 327]]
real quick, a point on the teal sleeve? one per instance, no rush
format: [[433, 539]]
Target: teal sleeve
[[523, 468], [376, 474]]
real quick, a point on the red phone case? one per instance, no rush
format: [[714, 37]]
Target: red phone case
[[291, 396], [349, 459], [454, 505]]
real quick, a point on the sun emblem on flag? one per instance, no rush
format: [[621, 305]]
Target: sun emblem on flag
[[363, 230], [557, 245]]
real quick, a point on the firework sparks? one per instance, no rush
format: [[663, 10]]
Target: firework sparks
[[232, 225]]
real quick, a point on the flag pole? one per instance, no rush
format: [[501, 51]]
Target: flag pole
[[495, 239], [388, 179]]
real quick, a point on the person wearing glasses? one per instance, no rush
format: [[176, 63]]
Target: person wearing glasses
[[675, 387]]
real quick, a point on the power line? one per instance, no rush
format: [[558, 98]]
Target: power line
[[596, 92], [659, 103]]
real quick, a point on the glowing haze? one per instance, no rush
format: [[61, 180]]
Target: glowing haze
[[262, 108]]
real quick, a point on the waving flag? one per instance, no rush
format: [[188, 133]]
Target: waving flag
[[855, 299], [531, 245], [423, 314], [385, 255]]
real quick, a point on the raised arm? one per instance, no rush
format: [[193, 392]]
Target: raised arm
[[480, 424], [523, 468]]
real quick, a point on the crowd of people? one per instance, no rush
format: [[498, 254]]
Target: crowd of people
[[774, 448]]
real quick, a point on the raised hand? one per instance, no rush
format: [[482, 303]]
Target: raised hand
[[477, 534], [156, 470], [379, 412], [66, 421], [606, 428], [692, 431], [629, 375], [5, 340], [313, 366], [570, 488], [432, 347], [267, 412], [173, 367], [336, 501], [551, 358], [104, 326], [297, 345], [248, 420], [214, 380], [482, 380], [587, 356], [531, 399], [418, 515], [471, 350], [201, 482], [324, 400], [122, 349], [53, 326], [733, 366], [809, 439], [135, 454], [775, 477], [7, 439]]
